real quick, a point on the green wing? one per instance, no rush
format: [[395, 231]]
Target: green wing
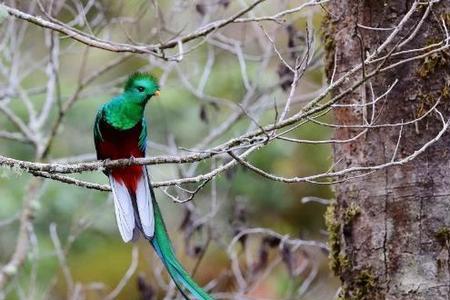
[[143, 136], [97, 134]]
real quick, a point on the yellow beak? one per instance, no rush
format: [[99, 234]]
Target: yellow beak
[[157, 93]]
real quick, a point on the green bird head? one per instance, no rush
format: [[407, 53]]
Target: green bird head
[[141, 87]]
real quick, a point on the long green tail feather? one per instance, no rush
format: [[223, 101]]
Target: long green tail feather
[[163, 248]]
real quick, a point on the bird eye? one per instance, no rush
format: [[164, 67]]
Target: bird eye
[[140, 89]]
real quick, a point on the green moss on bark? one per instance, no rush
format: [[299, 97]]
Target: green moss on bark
[[431, 63], [339, 263], [351, 213], [329, 44], [360, 283], [363, 287], [334, 238]]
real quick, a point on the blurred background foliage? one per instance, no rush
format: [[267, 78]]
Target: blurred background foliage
[[84, 218]]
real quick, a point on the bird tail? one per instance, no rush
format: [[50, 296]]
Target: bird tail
[[163, 247], [137, 210], [132, 202]]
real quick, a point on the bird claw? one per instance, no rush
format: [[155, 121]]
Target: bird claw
[[132, 160], [106, 166]]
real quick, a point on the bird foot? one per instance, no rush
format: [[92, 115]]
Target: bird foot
[[132, 160]]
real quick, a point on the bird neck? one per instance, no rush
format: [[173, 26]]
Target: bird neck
[[124, 113]]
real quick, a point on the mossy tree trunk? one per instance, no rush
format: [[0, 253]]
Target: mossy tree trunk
[[390, 230]]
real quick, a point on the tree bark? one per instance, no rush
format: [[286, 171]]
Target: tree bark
[[390, 231]]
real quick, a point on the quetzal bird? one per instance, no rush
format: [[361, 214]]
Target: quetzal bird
[[120, 131]]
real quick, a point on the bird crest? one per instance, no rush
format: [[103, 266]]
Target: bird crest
[[140, 76]]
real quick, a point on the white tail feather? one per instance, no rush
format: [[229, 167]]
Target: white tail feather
[[145, 206], [123, 208]]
